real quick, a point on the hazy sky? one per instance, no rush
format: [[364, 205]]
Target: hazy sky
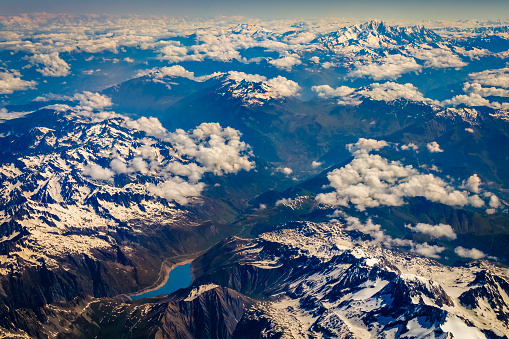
[[380, 9]]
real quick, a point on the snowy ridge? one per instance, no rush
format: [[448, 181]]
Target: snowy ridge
[[376, 35], [348, 290], [82, 179]]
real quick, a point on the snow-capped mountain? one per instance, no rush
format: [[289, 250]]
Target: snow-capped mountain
[[303, 280], [376, 35], [321, 283], [94, 185]]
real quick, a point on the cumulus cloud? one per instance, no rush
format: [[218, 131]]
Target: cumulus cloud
[[364, 146], [286, 62], [345, 94], [97, 172], [434, 147], [472, 184], [469, 253], [174, 52], [151, 126], [495, 77], [390, 91], [473, 99], [435, 231], [209, 148], [410, 146], [389, 67], [6, 115], [176, 71], [281, 87], [494, 201], [284, 201], [177, 189], [92, 101], [54, 66], [379, 237], [217, 149], [11, 81], [437, 57], [241, 76], [275, 88], [371, 181], [426, 250], [316, 164], [284, 170], [476, 88]]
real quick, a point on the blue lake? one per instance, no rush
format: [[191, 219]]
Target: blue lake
[[179, 277]]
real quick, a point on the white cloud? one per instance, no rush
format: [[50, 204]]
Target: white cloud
[[364, 146], [284, 170], [316, 164], [6, 115], [470, 130], [176, 71], [390, 67], [54, 66], [379, 237], [435, 231], [426, 250], [345, 94], [371, 181], [469, 253], [241, 76], [275, 88], [152, 126], [390, 91], [286, 62], [177, 189], [284, 201], [473, 183], [97, 172], [476, 88], [219, 150], [92, 101], [410, 146], [494, 77], [281, 87], [434, 147], [128, 59], [11, 81], [437, 57], [494, 201]]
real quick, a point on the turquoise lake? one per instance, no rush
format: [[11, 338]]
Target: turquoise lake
[[179, 277]]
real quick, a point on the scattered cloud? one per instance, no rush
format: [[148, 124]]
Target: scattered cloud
[[284, 170], [390, 91], [389, 67], [10, 81], [54, 66], [379, 237], [409, 146], [286, 62], [494, 77], [434, 147], [441, 57], [97, 172], [371, 181], [469, 253], [435, 231], [472, 184]]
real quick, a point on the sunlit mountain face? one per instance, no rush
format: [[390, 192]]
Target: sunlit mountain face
[[325, 178]]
